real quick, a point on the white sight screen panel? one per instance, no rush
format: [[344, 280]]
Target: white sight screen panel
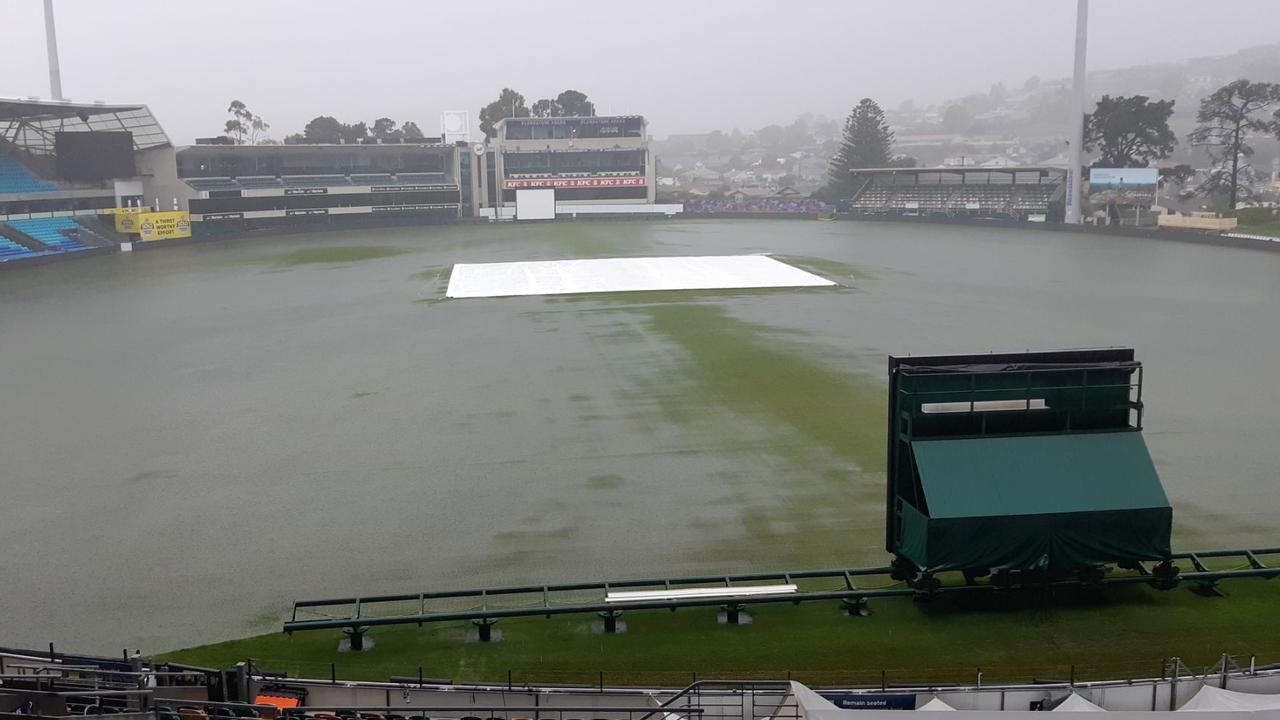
[[561, 277], [536, 204]]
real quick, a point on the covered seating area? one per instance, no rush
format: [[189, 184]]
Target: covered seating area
[[1021, 193]]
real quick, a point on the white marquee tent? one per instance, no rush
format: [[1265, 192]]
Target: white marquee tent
[[1212, 699], [1217, 703], [936, 704], [1075, 702]]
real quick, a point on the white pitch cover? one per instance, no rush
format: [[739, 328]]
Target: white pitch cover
[[607, 275]]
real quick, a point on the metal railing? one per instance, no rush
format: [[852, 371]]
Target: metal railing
[[486, 712], [731, 700], [1186, 567]]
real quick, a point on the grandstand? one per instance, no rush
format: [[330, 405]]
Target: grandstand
[[1018, 193], [260, 186], [585, 160], [63, 163]]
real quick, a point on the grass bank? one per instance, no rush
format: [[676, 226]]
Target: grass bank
[[1270, 228], [1125, 633]]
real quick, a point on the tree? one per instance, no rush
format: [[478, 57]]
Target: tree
[[509, 104], [956, 119], [574, 104], [235, 130], [323, 130], [771, 136], [569, 103], [867, 143], [352, 134], [1225, 121], [545, 108], [411, 131], [1178, 175], [258, 130], [244, 125], [384, 128], [238, 125], [1129, 131], [799, 133]]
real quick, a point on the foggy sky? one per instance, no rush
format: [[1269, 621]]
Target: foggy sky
[[688, 65]]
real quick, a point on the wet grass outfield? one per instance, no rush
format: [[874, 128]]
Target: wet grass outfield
[[196, 436], [1125, 634]]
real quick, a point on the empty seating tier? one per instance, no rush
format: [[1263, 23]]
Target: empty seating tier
[[374, 179], [259, 182], [15, 178], [954, 198], [10, 250], [59, 234], [212, 184], [422, 179], [315, 180]]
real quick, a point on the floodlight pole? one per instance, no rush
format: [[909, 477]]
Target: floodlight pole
[[1076, 155], [51, 43]]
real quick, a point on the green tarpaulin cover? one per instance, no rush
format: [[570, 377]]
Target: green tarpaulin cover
[[1036, 502]]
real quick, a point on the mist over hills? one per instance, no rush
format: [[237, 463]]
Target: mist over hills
[[1007, 125]]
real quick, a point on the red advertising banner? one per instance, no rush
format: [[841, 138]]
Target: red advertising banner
[[573, 182]]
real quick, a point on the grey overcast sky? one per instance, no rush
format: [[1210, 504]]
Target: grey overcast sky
[[688, 65]]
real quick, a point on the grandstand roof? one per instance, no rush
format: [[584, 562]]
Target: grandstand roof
[[561, 119], [31, 123], [302, 148], [601, 118], [543, 151], [959, 169], [15, 108]]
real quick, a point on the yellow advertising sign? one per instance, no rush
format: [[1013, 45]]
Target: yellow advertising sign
[[127, 223], [126, 219], [164, 225]]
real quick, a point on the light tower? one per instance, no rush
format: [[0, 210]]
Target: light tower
[[1076, 139], [51, 42]]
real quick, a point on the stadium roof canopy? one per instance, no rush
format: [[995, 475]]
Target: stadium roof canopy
[[596, 118], [32, 124], [305, 148], [959, 169]]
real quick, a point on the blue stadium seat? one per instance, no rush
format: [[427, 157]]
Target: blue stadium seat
[[52, 232], [15, 178], [10, 250]]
